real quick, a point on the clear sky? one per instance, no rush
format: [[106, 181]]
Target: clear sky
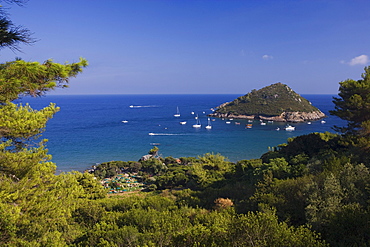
[[199, 47]]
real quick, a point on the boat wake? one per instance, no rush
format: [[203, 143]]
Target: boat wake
[[140, 106], [165, 134]]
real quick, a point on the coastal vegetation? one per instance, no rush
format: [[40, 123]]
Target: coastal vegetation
[[311, 191]]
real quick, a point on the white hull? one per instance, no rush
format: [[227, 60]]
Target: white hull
[[197, 125], [209, 126], [289, 128], [178, 113]]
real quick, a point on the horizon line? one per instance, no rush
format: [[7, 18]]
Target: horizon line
[[108, 94]]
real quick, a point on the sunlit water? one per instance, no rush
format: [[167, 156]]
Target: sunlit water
[[89, 129]]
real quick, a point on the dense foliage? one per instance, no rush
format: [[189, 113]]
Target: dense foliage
[[353, 106], [35, 204], [311, 180], [272, 100], [311, 191]]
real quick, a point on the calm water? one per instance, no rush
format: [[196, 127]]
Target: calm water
[[89, 129]]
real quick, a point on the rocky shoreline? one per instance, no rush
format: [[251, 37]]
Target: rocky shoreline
[[294, 117]]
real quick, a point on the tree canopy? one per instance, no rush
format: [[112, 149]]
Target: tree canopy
[[19, 77], [11, 36], [307, 192], [35, 204], [353, 105]]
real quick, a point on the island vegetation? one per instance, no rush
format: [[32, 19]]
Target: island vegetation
[[276, 102], [311, 191]]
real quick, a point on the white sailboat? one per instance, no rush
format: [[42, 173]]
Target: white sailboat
[[209, 126], [197, 125], [177, 113]]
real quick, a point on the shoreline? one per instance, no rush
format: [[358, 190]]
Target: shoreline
[[292, 117]]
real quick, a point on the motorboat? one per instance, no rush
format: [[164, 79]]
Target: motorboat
[[289, 128]]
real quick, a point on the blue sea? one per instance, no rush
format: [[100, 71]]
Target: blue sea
[[89, 129]]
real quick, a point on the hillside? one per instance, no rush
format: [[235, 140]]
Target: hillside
[[276, 102]]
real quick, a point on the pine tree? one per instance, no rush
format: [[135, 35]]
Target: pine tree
[[35, 204], [353, 106]]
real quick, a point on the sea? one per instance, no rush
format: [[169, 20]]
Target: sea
[[91, 129]]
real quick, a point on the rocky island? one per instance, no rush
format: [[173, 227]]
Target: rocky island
[[277, 102]]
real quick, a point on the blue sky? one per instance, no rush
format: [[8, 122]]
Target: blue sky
[[201, 47]]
